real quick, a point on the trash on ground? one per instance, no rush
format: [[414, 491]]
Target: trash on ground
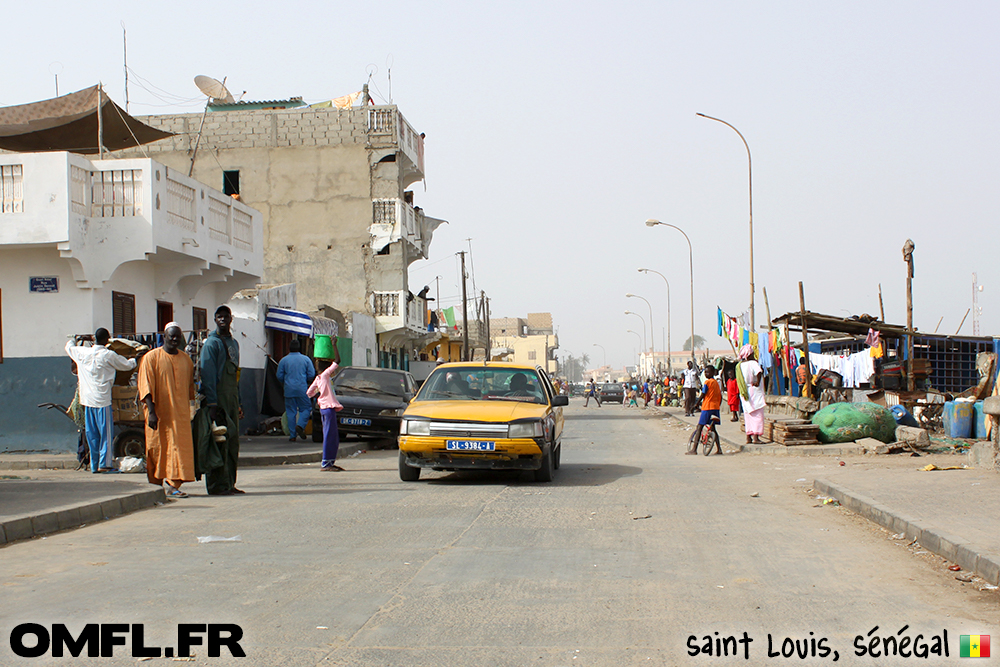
[[842, 463], [988, 587], [955, 568], [899, 536], [131, 464], [322, 627], [801, 479], [648, 516], [755, 494], [964, 577], [931, 466], [217, 538]]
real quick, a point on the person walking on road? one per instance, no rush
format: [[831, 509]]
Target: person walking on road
[[590, 391], [733, 396], [219, 366], [749, 376], [166, 388], [295, 372], [690, 388], [328, 408], [96, 368]]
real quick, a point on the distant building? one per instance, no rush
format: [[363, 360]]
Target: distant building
[[531, 340]]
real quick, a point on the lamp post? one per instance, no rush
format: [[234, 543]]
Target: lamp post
[[652, 336], [605, 354], [670, 364], [753, 315], [640, 342], [629, 312], [653, 223]]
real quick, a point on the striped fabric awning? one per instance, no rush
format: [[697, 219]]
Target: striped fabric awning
[[285, 319]]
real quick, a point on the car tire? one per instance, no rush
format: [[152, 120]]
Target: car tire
[[407, 473], [545, 473], [131, 442]]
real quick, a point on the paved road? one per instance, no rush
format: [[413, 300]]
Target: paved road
[[632, 549]]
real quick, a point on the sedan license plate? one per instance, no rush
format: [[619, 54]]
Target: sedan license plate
[[355, 421], [471, 445]]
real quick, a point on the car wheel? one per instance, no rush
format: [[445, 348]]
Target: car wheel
[[407, 473], [557, 461], [131, 443], [544, 474]]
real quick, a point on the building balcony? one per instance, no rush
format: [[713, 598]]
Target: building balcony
[[395, 313], [387, 129], [395, 220], [101, 214]]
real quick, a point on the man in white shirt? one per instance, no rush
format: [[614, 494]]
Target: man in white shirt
[[96, 368], [690, 388]]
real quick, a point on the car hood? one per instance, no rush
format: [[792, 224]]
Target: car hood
[[476, 411], [382, 401]]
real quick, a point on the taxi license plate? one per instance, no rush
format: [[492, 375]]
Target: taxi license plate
[[355, 421], [471, 445]]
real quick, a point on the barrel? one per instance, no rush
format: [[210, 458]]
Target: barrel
[[979, 423], [323, 348], [958, 419]]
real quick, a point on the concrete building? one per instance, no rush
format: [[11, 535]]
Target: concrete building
[[333, 188], [127, 245], [530, 340]]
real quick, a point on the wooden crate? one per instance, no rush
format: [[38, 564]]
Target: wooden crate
[[793, 432]]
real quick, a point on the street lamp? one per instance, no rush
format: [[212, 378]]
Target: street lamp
[[652, 336], [670, 365], [640, 341], [653, 223], [753, 317], [605, 354], [643, 348]]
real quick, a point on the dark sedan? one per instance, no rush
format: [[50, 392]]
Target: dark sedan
[[612, 393], [373, 400]]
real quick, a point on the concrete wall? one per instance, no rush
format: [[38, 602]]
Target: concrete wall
[[364, 343]]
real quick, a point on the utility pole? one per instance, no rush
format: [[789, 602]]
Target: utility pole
[[489, 332], [908, 247], [465, 313]]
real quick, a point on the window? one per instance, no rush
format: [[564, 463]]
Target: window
[[532, 355], [122, 313], [164, 314], [199, 319], [231, 182]]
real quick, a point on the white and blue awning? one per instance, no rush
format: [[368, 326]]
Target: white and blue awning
[[285, 319], [297, 322]]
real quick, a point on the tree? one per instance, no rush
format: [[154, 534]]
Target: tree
[[698, 342], [573, 367]]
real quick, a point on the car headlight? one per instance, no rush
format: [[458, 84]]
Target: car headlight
[[414, 427], [525, 430], [391, 412]]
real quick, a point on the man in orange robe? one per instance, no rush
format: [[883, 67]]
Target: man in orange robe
[[166, 387]]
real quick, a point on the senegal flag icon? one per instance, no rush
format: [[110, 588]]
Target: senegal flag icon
[[974, 646]]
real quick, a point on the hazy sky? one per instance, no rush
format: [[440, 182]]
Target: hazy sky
[[554, 129]]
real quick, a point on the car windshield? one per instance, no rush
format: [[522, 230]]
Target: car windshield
[[363, 382], [479, 383]]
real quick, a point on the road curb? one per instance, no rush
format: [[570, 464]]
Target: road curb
[[63, 518], [951, 547], [803, 450]]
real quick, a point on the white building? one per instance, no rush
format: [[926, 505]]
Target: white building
[[127, 245]]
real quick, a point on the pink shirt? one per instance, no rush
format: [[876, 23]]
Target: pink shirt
[[321, 385]]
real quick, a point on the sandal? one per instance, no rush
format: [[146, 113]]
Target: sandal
[[173, 492]]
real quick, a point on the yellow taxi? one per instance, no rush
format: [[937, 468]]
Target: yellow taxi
[[483, 416]]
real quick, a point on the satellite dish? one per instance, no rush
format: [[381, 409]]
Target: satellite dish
[[214, 88]]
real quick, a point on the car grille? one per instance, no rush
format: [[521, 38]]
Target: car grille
[[468, 430]]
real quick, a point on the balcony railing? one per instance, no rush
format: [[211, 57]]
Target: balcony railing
[[394, 219], [387, 126], [396, 310]]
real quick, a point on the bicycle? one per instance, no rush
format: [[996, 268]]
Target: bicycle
[[710, 437]]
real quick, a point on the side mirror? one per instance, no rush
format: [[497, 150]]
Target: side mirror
[[560, 401]]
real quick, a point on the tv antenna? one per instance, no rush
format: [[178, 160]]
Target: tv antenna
[[977, 310]]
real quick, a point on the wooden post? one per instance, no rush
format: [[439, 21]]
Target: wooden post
[[100, 123], [784, 359], [807, 387], [911, 382], [767, 309], [881, 309]]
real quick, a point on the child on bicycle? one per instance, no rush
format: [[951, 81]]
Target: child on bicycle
[[711, 400]]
